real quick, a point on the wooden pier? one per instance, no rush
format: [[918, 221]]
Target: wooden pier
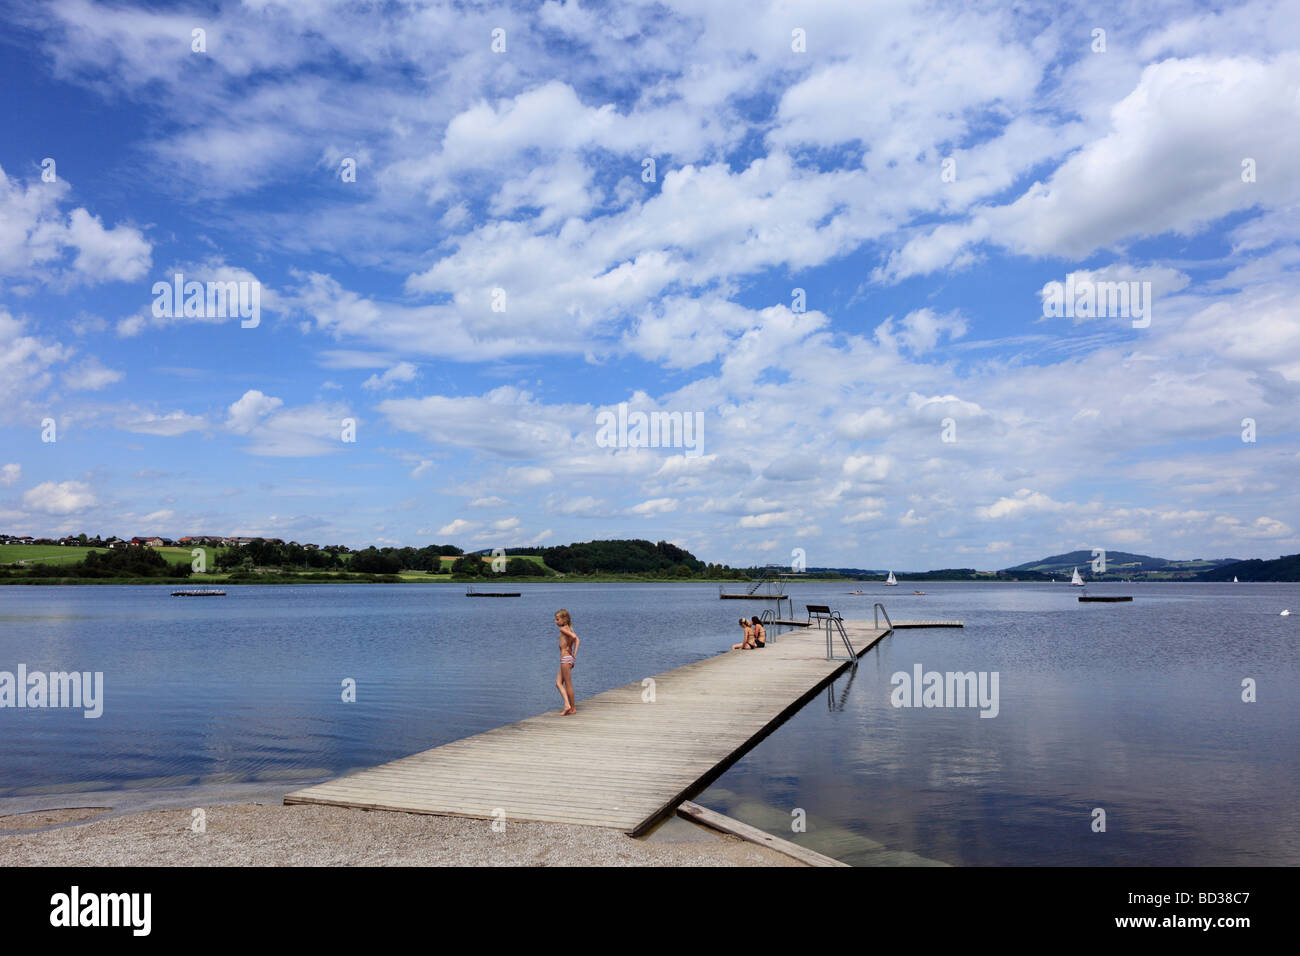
[[627, 759], [898, 625]]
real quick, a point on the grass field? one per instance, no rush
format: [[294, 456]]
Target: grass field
[[447, 561], [186, 555], [49, 553], [58, 554]]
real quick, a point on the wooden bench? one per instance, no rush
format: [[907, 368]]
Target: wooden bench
[[817, 613], [820, 612]]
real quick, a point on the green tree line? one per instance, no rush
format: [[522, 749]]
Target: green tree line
[[260, 553]]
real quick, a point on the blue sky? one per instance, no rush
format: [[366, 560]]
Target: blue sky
[[775, 169]]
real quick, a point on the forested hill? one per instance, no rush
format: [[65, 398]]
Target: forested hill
[[1285, 568], [624, 556], [1119, 564]]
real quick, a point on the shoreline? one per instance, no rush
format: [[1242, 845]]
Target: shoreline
[[84, 830]]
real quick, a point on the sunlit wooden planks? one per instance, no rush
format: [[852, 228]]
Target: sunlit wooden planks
[[629, 756]]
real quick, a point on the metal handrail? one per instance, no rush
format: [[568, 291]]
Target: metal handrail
[[878, 610], [835, 619]]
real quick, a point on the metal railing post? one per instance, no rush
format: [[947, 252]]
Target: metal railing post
[[878, 610], [838, 623]]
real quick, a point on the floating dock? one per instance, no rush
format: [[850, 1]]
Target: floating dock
[[1108, 600], [472, 593], [198, 594], [627, 759], [762, 589]]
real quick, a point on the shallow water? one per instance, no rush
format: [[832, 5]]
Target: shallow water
[[1132, 708]]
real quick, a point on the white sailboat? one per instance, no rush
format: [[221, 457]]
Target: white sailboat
[[1075, 580], [1234, 579], [891, 581]]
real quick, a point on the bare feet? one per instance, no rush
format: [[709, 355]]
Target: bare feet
[[569, 712]]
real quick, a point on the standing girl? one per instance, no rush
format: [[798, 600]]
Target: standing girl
[[568, 658]]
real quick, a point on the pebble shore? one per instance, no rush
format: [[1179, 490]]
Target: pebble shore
[[252, 834]]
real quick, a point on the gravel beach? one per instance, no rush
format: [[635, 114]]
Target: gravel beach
[[250, 834]]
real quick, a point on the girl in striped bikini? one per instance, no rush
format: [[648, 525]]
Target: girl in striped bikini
[[568, 658]]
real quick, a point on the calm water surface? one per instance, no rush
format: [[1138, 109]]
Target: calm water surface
[[1133, 708]]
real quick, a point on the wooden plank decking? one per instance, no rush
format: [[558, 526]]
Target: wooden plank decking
[[621, 761]]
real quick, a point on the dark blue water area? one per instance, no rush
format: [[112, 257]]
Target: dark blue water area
[[249, 686], [1132, 708]]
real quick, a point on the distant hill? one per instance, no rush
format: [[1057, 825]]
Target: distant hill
[[1285, 568], [938, 574], [628, 556], [846, 572], [1119, 564]]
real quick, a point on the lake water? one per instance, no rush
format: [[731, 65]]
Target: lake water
[[1132, 708]]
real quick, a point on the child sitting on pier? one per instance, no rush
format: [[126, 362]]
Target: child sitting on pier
[[569, 642], [748, 642]]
